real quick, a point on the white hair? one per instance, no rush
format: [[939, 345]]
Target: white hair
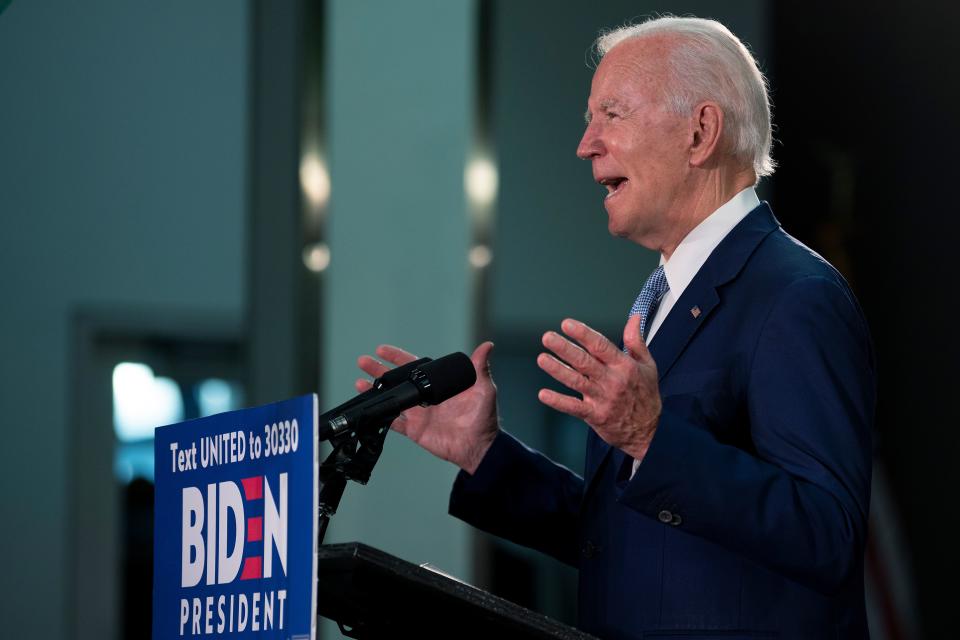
[[708, 62]]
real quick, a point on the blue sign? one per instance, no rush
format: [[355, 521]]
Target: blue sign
[[235, 533]]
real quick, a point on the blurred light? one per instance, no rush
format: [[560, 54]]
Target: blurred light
[[133, 460], [314, 179], [480, 180], [316, 257], [216, 396], [480, 256], [142, 402]]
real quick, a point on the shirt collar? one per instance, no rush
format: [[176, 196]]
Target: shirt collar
[[697, 246]]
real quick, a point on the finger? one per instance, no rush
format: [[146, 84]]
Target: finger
[[633, 341], [593, 341], [362, 385], [399, 424], [566, 404], [372, 367], [481, 359], [395, 355], [572, 354], [564, 374]]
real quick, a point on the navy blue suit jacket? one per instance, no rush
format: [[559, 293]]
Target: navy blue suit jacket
[[747, 517]]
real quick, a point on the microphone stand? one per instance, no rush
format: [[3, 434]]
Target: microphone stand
[[355, 452]]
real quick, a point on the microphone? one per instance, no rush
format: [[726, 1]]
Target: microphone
[[426, 384], [388, 380]]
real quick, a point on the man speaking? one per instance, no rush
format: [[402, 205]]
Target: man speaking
[[727, 477]]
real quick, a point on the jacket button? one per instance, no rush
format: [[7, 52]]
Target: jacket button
[[665, 517], [590, 549], [676, 520]]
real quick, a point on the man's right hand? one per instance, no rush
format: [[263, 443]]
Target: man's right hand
[[459, 430]]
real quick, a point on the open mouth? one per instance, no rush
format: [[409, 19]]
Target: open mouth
[[613, 185]]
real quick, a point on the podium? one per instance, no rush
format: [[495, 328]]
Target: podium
[[372, 594]]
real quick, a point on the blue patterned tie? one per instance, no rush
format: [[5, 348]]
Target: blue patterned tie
[[649, 299]]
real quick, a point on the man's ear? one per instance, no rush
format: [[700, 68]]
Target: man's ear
[[707, 126]]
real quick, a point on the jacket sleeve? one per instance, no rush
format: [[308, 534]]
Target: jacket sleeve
[[523, 496], [798, 504]]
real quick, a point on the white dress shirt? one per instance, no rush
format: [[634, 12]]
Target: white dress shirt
[[694, 250]]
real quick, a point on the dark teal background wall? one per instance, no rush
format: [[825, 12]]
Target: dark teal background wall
[[122, 184]]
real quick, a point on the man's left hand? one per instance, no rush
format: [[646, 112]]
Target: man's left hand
[[621, 395]]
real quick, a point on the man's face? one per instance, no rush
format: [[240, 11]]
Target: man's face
[[637, 146]]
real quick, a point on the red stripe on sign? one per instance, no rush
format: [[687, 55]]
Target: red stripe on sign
[[254, 529], [253, 487], [252, 568]]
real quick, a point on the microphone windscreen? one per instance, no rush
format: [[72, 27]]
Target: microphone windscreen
[[448, 376]]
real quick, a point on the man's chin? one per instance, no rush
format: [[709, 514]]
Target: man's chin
[[616, 230]]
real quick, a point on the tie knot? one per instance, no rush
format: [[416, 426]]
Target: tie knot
[[645, 304]]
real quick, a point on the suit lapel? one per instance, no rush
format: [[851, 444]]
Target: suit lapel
[[701, 297]]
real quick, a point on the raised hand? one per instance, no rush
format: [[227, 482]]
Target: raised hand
[[459, 430], [621, 396]]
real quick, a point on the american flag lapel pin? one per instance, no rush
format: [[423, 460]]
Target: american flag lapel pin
[[695, 312]]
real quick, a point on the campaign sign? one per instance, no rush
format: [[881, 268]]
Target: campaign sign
[[235, 533]]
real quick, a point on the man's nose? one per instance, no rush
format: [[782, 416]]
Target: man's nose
[[590, 145]]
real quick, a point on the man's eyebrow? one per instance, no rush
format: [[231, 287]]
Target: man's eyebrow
[[608, 103], [605, 105]]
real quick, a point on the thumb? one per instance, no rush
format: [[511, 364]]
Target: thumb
[[632, 339], [481, 359]]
